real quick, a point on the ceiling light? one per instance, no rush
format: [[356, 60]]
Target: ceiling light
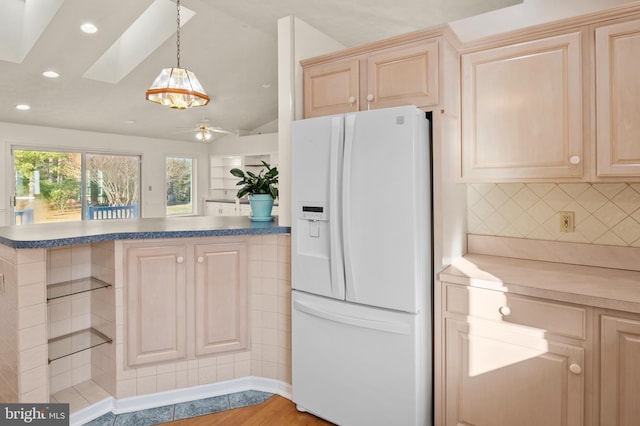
[[177, 87], [203, 135], [50, 74], [23, 107], [89, 28]]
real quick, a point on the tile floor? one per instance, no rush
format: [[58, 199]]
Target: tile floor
[[80, 396], [182, 410]]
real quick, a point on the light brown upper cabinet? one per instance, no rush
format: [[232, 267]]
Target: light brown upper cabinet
[[522, 111], [332, 88], [403, 75], [378, 75], [617, 94]]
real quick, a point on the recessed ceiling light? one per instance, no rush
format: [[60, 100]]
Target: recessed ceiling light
[[50, 74], [23, 107], [130, 121], [89, 28], [266, 85]]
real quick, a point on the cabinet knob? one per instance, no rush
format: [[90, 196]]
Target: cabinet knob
[[200, 259], [575, 369], [352, 100], [575, 160], [505, 311], [370, 97], [180, 259]]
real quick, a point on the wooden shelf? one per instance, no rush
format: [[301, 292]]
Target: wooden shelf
[[78, 341], [68, 288]]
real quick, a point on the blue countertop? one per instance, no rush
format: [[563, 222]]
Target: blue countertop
[[89, 231]]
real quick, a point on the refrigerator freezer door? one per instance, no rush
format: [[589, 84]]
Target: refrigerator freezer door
[[356, 365], [316, 170], [387, 208]]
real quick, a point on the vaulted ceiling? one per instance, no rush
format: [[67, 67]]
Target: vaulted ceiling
[[230, 44]]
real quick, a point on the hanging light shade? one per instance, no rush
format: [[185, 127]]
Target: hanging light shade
[[177, 87]]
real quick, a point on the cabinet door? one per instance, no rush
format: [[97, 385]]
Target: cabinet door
[[155, 303], [221, 209], [403, 75], [497, 375], [331, 88], [522, 111], [617, 94], [213, 208], [221, 297], [229, 209], [619, 371]]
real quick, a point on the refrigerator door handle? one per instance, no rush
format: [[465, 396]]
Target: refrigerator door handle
[[335, 243], [349, 130], [395, 327]]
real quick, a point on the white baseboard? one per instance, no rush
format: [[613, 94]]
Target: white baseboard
[[159, 399]]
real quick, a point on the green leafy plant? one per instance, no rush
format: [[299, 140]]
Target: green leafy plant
[[265, 182]]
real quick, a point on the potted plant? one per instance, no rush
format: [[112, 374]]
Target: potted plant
[[262, 189]]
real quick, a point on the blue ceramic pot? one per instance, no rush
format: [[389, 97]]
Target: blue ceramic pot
[[261, 205]]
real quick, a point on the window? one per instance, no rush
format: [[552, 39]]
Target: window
[[49, 186], [179, 180], [113, 183]]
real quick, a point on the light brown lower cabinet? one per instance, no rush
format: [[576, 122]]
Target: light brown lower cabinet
[[221, 298], [499, 375], [184, 299], [619, 371], [511, 359]]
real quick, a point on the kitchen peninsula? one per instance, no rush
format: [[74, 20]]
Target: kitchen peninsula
[[127, 308]]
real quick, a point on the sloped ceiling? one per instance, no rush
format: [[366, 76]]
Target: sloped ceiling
[[230, 44]]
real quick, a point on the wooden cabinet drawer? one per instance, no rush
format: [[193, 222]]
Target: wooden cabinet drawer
[[493, 305]]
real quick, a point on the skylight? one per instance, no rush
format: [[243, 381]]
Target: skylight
[[152, 28], [21, 24]]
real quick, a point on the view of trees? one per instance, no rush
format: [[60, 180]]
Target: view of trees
[[50, 176], [179, 172], [52, 182], [113, 180]]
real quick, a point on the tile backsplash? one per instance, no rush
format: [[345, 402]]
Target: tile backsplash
[[605, 213]]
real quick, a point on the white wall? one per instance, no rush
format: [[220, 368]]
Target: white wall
[[239, 145], [297, 40], [153, 152]]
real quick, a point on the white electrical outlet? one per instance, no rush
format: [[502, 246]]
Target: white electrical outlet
[[567, 221]]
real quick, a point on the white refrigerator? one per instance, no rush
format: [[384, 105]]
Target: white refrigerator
[[361, 267]]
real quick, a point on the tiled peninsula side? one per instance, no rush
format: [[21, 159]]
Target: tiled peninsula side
[[33, 370]]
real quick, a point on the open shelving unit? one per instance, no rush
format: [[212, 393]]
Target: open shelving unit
[[78, 341], [220, 177], [69, 288], [81, 340], [222, 183]]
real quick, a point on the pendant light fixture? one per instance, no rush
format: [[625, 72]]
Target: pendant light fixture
[[177, 87]]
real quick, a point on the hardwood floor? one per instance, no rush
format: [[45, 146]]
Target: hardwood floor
[[276, 411]]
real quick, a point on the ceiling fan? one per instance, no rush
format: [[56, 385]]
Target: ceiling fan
[[204, 132]]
